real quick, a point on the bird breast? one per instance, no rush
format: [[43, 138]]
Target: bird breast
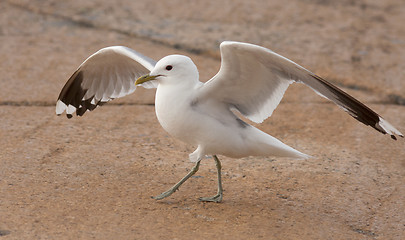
[[174, 110]]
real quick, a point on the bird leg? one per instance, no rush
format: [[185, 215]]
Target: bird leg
[[177, 185], [217, 198]]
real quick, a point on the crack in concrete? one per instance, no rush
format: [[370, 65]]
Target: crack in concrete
[[396, 99], [52, 153], [26, 103], [364, 232], [53, 104], [4, 232], [32, 132], [93, 25]]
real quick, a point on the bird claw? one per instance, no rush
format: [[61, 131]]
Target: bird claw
[[163, 195], [217, 198]]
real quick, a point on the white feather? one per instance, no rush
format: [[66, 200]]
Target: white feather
[[107, 74]]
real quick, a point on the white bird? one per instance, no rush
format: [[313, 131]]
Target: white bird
[[251, 80]]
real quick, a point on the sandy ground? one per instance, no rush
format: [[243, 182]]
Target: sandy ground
[[92, 177]]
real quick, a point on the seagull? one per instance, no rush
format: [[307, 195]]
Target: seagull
[[251, 81]]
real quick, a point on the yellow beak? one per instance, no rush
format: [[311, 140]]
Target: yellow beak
[[144, 78]]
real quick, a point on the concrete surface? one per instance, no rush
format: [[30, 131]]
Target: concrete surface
[[92, 177]]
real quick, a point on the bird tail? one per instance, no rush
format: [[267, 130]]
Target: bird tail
[[266, 145]]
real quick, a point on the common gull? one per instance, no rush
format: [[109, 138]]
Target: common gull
[[252, 81]]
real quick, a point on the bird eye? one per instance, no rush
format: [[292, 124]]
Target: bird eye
[[169, 67]]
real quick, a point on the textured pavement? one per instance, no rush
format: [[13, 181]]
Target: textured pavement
[[92, 177]]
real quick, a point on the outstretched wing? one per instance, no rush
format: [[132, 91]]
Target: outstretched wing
[[253, 80], [107, 74]]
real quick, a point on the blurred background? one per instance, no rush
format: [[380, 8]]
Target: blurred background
[[358, 44]]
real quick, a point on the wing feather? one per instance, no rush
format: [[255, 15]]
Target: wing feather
[[253, 80], [107, 74]]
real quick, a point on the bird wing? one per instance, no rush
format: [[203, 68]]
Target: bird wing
[[253, 80], [107, 74]]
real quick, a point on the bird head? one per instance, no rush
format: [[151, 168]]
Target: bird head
[[172, 69]]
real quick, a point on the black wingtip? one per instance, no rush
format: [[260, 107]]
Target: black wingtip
[[393, 137], [80, 111]]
